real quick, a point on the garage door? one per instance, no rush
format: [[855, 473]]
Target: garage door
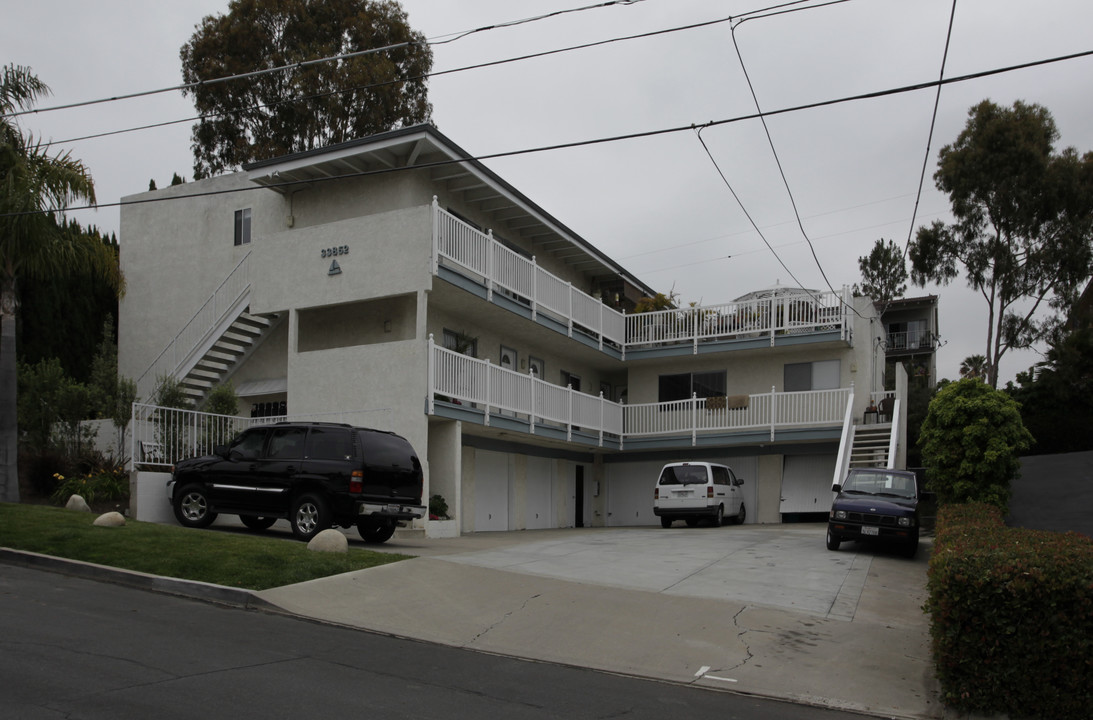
[[806, 483], [540, 494], [491, 491]]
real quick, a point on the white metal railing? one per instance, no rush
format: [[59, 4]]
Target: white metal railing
[[207, 317], [161, 436], [500, 268], [910, 340], [494, 391]]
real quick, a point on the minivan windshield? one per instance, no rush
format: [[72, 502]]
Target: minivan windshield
[[683, 475]]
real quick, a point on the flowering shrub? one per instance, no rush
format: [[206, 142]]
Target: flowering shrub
[[102, 484], [1011, 616]]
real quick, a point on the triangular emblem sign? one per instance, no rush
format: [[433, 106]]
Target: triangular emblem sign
[[335, 268]]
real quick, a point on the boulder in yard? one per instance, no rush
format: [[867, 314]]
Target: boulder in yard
[[76, 502], [110, 519], [329, 540]]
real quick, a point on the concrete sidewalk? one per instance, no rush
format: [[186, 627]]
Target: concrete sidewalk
[[762, 610]]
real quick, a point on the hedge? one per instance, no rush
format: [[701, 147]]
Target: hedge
[[1011, 616]]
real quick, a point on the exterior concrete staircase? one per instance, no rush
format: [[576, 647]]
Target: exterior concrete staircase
[[225, 350], [870, 445], [208, 348]]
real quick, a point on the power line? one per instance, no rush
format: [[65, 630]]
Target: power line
[[308, 63], [770, 140], [439, 73], [617, 138]]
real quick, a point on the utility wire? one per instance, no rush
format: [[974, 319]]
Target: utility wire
[[774, 151], [491, 63], [308, 63], [698, 134], [611, 139]]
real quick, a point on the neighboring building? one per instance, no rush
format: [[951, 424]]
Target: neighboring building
[[911, 337], [398, 284]]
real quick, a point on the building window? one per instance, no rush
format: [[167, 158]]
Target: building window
[[242, 226], [683, 385], [461, 343], [802, 377]]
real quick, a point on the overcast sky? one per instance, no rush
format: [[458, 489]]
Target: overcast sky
[[657, 204]]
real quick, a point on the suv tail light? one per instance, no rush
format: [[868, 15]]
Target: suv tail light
[[709, 491], [356, 482], [656, 493]]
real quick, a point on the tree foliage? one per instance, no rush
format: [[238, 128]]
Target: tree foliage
[[974, 366], [883, 272], [307, 105], [1023, 215], [34, 186], [971, 440], [1056, 396]]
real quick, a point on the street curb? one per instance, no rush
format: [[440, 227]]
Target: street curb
[[206, 592]]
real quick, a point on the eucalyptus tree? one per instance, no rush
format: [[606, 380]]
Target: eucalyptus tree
[[290, 99], [1022, 223]]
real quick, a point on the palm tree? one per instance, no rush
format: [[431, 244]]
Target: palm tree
[[35, 187], [974, 366]]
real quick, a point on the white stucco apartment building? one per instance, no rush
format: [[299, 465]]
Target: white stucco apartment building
[[402, 286]]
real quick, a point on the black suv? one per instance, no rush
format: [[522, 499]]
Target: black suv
[[875, 504], [315, 474]]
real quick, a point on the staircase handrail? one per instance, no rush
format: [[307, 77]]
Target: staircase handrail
[[893, 441], [215, 300], [842, 460]]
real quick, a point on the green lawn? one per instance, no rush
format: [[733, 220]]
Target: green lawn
[[237, 559]]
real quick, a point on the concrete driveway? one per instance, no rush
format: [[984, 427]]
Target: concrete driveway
[[763, 610]]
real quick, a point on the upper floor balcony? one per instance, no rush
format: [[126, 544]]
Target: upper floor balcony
[[910, 342], [778, 319]]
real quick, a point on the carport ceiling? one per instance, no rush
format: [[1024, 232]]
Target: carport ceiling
[[424, 148]]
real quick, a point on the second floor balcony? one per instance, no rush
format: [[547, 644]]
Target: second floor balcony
[[496, 395], [782, 317], [910, 341]]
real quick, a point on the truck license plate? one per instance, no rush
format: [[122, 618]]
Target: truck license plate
[[866, 530], [395, 509]]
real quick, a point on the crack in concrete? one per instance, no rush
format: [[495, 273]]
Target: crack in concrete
[[503, 619]]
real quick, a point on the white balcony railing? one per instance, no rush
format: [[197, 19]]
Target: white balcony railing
[[500, 269], [496, 391]]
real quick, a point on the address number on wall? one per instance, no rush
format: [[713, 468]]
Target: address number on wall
[[335, 251]]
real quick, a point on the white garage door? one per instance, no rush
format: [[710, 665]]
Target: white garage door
[[491, 491], [630, 493], [806, 483], [540, 494]]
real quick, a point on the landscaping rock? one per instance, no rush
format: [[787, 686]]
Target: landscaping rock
[[329, 540], [110, 519], [76, 502]]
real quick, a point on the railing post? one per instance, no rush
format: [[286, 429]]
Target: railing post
[[773, 411], [489, 265], [430, 401], [489, 395], [694, 418], [534, 289], [133, 436], [569, 308], [569, 414], [601, 418], [695, 312], [534, 394], [436, 237], [600, 328], [625, 333]]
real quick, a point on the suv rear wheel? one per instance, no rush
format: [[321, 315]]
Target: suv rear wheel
[[191, 504], [309, 516]]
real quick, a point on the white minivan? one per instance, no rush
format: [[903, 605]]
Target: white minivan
[[692, 491]]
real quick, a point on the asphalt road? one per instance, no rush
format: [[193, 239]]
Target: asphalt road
[[77, 648]]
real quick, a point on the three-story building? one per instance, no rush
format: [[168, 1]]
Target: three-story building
[[393, 282]]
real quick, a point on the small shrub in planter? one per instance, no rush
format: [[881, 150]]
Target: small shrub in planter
[[101, 485]]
